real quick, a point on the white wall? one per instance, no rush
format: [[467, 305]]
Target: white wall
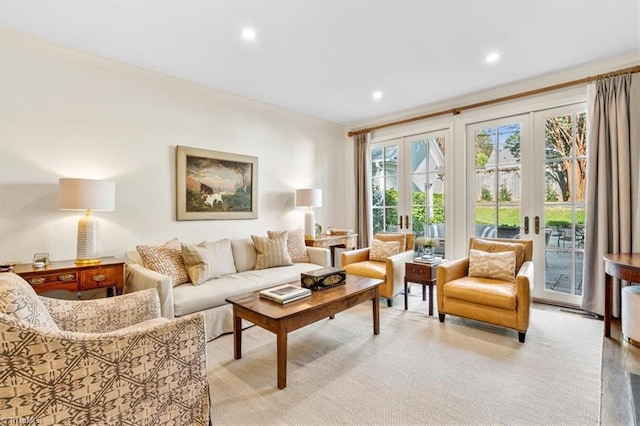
[[69, 114]]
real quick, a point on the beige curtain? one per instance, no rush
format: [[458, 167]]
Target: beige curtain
[[363, 213], [613, 182]]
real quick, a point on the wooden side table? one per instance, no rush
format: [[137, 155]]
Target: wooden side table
[[423, 274], [66, 275], [349, 242]]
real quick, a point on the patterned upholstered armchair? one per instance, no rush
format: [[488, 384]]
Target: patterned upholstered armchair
[[111, 361]]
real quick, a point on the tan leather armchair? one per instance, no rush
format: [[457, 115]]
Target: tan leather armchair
[[493, 301], [357, 262]]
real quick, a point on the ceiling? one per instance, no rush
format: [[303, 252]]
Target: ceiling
[[325, 58]]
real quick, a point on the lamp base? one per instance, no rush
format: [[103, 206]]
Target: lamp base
[[309, 224], [87, 252], [88, 261]]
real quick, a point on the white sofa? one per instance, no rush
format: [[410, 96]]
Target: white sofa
[[210, 296]]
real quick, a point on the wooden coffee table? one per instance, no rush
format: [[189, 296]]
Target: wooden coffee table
[[282, 319]]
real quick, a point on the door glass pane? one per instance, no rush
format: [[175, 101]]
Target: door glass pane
[[427, 179], [384, 188], [565, 188], [498, 183]]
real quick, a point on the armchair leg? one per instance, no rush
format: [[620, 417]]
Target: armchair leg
[[441, 317], [389, 303], [521, 336]]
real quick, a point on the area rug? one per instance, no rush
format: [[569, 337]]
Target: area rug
[[416, 371]]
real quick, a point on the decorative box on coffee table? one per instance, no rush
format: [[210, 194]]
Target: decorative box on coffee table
[[324, 278]]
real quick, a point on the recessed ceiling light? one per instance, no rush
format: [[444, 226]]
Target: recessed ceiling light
[[248, 34], [492, 57], [377, 95]]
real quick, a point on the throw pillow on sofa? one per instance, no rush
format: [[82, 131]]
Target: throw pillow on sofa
[[200, 262], [498, 265], [224, 256], [165, 259], [272, 252], [295, 244], [381, 250]]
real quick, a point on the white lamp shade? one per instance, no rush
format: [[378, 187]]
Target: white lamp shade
[[86, 194], [309, 198]]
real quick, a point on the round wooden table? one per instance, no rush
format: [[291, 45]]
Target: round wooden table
[[625, 266]]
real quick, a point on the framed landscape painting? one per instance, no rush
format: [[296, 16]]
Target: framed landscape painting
[[215, 185]]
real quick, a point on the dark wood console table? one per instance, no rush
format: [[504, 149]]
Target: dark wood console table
[[625, 266]]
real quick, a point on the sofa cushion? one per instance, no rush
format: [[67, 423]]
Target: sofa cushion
[[391, 236], [200, 262], [19, 300], [482, 291], [381, 250], [499, 266], [210, 294], [224, 256], [500, 246], [296, 247], [244, 254], [165, 259], [272, 252]]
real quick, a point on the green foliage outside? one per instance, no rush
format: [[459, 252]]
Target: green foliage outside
[[503, 193], [485, 194], [510, 217]]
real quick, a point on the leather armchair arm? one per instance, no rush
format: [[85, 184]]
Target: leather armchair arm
[[395, 268], [446, 272], [352, 256], [524, 284]]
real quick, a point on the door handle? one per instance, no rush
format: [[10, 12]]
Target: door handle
[[537, 225], [526, 224], [406, 221], [400, 221]]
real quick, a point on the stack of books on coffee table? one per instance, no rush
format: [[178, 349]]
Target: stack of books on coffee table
[[285, 293]]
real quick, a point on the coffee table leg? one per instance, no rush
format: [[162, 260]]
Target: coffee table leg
[[376, 312], [237, 335], [282, 358]]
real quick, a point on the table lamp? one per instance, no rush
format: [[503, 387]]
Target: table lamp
[[87, 195], [309, 198]]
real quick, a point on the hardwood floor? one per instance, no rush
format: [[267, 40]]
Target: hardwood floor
[[618, 359]]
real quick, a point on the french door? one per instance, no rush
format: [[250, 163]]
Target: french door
[[529, 183], [408, 186]]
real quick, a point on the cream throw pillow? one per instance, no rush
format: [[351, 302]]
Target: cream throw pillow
[[498, 266], [271, 251], [381, 250], [200, 262], [224, 256], [166, 260], [295, 244]]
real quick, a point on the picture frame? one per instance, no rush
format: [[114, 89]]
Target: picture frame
[[41, 257], [215, 185]]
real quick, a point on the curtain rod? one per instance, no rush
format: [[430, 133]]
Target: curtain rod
[[456, 111]]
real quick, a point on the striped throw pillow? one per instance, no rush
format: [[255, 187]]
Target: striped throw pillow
[[295, 244], [200, 262], [271, 251]]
